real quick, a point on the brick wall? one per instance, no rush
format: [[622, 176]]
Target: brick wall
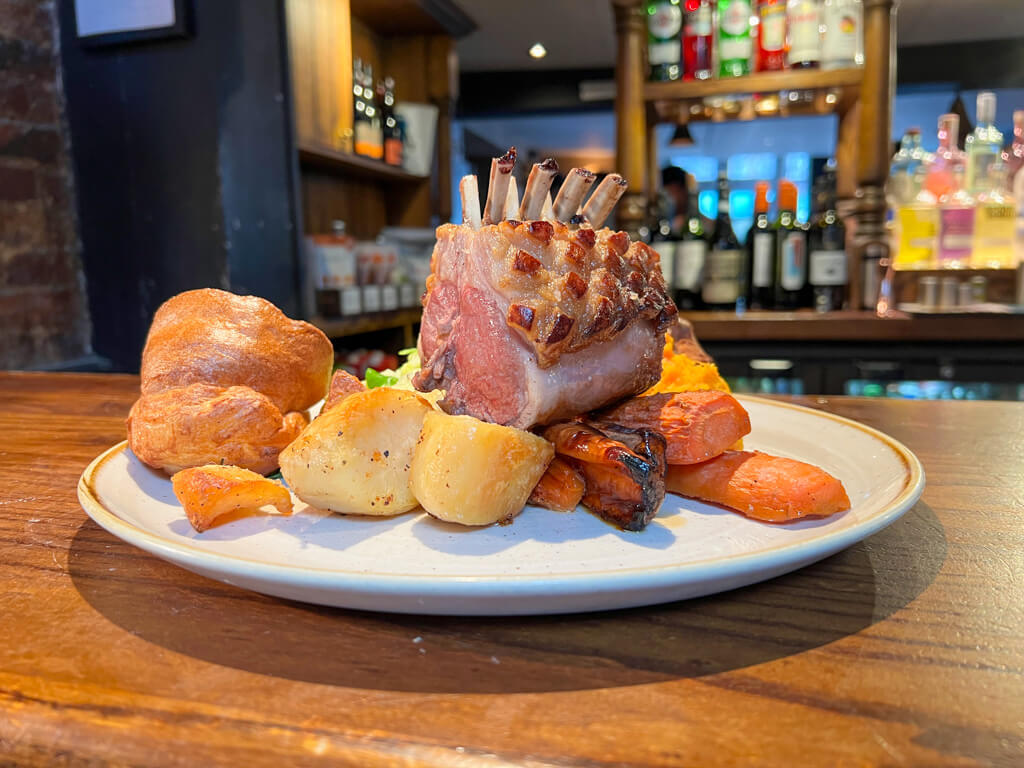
[[43, 315]]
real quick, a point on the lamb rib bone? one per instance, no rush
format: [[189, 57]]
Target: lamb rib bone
[[511, 200], [470, 201], [497, 188], [537, 188], [573, 190], [604, 199]]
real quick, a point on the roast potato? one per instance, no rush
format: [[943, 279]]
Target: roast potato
[[354, 458], [470, 472]]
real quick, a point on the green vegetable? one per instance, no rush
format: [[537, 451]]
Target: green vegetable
[[377, 379]]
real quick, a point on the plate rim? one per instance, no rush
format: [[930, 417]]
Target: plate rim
[[226, 565]]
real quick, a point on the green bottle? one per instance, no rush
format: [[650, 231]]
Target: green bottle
[[734, 42]]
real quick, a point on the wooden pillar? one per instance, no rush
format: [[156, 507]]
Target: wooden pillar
[[874, 145], [630, 117]]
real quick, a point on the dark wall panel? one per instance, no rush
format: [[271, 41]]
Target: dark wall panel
[[184, 164]]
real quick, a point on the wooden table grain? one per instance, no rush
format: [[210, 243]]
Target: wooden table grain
[[906, 649]]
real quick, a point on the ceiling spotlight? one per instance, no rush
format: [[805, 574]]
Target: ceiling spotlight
[[538, 51]]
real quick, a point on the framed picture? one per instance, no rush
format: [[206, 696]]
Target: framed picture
[[116, 22]]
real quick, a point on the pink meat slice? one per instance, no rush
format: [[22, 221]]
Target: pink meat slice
[[529, 323]]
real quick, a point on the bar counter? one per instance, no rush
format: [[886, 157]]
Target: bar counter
[[855, 326], [907, 648]]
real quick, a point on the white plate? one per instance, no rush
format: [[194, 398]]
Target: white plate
[[544, 562]]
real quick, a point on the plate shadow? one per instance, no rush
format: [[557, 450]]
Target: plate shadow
[[224, 625]]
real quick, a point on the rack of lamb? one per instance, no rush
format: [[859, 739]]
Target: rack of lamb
[[534, 312]]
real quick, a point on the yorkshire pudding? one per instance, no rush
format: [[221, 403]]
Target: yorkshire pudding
[[224, 381]]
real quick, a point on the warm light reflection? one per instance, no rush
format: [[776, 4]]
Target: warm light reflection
[[538, 51]]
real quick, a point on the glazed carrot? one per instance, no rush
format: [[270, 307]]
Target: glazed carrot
[[560, 488], [768, 488], [696, 426]]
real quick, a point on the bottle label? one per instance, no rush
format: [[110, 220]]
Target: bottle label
[[804, 42], [666, 250], [773, 27], [698, 23], [994, 233], [736, 18], [793, 260], [663, 53], [737, 48], [978, 162], [665, 22], [722, 282], [689, 267], [762, 272], [917, 227], [956, 232], [827, 268], [842, 34]]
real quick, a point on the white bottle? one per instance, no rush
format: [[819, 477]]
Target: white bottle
[[842, 43], [1018, 195], [803, 20]]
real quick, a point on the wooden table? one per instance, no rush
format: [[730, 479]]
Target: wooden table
[[906, 649]]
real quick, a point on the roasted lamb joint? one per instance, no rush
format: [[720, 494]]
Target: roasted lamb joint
[[623, 469], [531, 322]]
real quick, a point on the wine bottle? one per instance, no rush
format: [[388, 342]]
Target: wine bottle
[[791, 288], [691, 253], [761, 253], [664, 241], [828, 263], [723, 276]]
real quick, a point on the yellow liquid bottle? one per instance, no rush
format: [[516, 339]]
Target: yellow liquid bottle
[[916, 227], [995, 221]]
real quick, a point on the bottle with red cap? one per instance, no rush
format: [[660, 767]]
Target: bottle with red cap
[[697, 36]]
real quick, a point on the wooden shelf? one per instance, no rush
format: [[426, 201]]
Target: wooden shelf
[[318, 156], [834, 91], [338, 327], [853, 327], [760, 82]]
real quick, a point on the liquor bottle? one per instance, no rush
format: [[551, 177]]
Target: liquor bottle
[[724, 273], [791, 288], [949, 161], [761, 253], [392, 130], [914, 211], [734, 43], [803, 37], [1013, 156], [771, 35], [663, 242], [664, 28], [994, 223], [691, 254], [828, 262], [956, 226], [842, 42], [984, 144], [373, 106], [362, 126], [697, 40]]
